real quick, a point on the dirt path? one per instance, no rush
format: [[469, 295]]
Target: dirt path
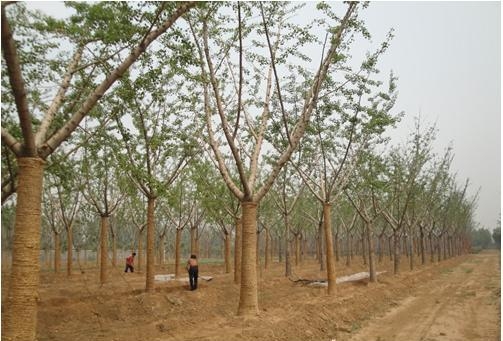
[[463, 303]]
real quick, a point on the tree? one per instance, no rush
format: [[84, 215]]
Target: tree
[[230, 103], [481, 238], [497, 236], [93, 40]]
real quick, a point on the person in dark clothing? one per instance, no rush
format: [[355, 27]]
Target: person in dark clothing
[[130, 262], [193, 271]]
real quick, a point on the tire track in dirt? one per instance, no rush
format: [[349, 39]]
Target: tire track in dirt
[[461, 303]]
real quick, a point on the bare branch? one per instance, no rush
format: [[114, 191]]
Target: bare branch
[[17, 84]]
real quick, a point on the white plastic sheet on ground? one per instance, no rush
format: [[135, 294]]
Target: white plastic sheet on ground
[[354, 277], [171, 277]]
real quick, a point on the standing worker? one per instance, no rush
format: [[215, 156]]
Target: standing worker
[[130, 262], [193, 271]]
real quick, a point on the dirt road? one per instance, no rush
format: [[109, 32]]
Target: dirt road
[[463, 303]]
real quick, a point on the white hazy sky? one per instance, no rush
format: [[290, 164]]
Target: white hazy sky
[[447, 56]]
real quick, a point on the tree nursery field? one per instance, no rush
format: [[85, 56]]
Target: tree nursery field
[[457, 299]]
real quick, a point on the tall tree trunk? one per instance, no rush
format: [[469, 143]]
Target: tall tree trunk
[[57, 253], [237, 251], [258, 249], [193, 248], [348, 250], [267, 249], [421, 245], [227, 253], [140, 249], [396, 252], [320, 245], [280, 251], [336, 245], [297, 249], [288, 265], [364, 248], [103, 249], [411, 252], [162, 249], [370, 242], [150, 285], [178, 241], [69, 250], [327, 219], [248, 295], [114, 250], [381, 247], [19, 321]]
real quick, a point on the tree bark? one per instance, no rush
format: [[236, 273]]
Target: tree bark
[[69, 250], [267, 249], [19, 321], [150, 285], [237, 252], [248, 295], [370, 242], [227, 253], [140, 249], [178, 241], [57, 253], [396, 253], [103, 249], [327, 222]]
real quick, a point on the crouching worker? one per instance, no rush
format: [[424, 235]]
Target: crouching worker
[[130, 262], [193, 271]]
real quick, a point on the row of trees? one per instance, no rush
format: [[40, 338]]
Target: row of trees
[[178, 116]]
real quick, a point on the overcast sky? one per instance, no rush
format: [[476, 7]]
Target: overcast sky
[[447, 56]]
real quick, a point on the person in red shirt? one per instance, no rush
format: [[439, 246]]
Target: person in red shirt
[[130, 262]]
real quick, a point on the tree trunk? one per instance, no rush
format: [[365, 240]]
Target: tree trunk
[[227, 253], [193, 247], [248, 295], [140, 249], [327, 222], [297, 249], [267, 249], [19, 321], [336, 245], [396, 253], [150, 285], [57, 253], [370, 242], [381, 247], [411, 252], [237, 251], [162, 249], [421, 245], [364, 249], [114, 250], [258, 249], [103, 249], [288, 265], [69, 250], [178, 241], [320, 245], [348, 250]]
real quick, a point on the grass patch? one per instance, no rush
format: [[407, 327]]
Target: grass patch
[[468, 270], [355, 326], [446, 271]]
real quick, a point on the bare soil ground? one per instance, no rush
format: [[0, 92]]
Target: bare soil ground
[[457, 299]]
